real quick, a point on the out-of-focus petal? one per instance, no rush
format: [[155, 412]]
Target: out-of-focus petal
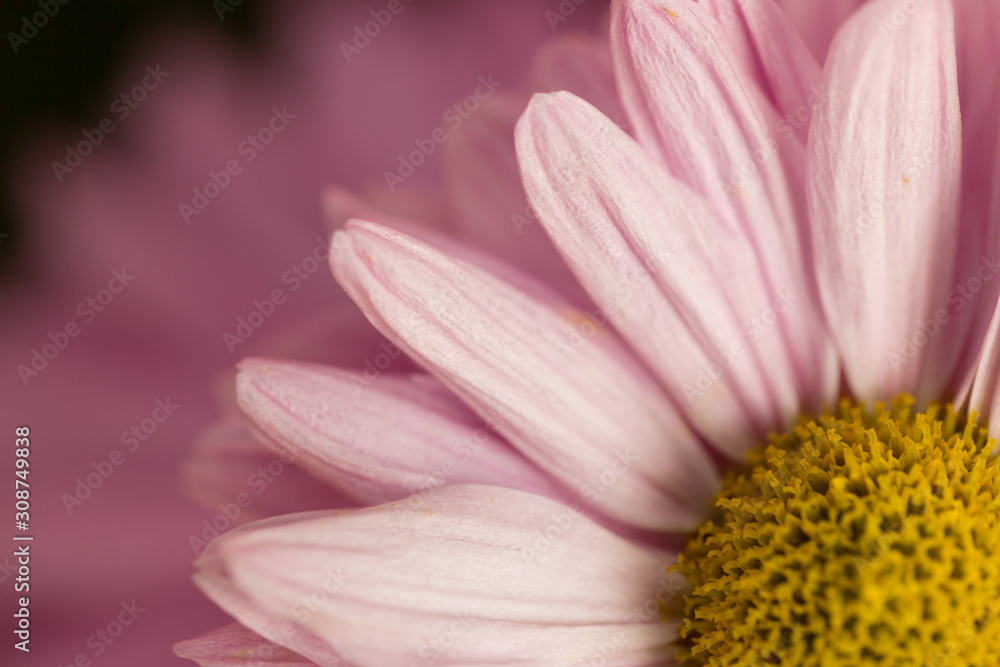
[[580, 65], [490, 206], [378, 437], [558, 386], [491, 210], [884, 177], [818, 22], [230, 468], [473, 575], [977, 50], [235, 645], [974, 287], [342, 206]]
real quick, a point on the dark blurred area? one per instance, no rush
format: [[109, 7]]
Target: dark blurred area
[[59, 57]]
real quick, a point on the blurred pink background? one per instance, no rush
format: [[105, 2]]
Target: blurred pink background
[[159, 341]]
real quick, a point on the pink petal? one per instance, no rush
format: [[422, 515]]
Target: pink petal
[[581, 65], [652, 254], [774, 52], [557, 385], [474, 575], [977, 50], [229, 463], [978, 57], [342, 205], [972, 298], [982, 392], [338, 336], [818, 22], [235, 645], [284, 632], [490, 204], [698, 114], [377, 437], [488, 199], [884, 173]]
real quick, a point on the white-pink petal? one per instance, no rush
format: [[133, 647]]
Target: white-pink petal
[[283, 630], [695, 110], [557, 385], [580, 64], [224, 475], [654, 257], [488, 199], [774, 54], [818, 22], [470, 575], [376, 436], [884, 183], [235, 645]]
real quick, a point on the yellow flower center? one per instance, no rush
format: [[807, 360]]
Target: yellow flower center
[[865, 538]]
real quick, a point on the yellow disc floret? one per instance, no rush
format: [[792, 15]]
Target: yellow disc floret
[[865, 538]]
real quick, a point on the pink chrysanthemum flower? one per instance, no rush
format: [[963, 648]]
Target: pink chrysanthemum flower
[[765, 238]]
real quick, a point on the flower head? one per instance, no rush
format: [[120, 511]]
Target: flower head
[[762, 237]]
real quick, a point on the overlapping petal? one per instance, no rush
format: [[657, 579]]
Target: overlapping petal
[[818, 22], [695, 111], [774, 55], [654, 258], [581, 65], [467, 575], [696, 242], [229, 462], [378, 437], [235, 645], [558, 386]]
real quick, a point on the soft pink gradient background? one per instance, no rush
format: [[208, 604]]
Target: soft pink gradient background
[[162, 337]]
